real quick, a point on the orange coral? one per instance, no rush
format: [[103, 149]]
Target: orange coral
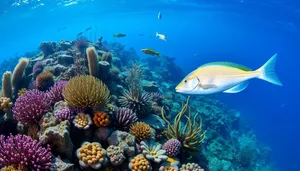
[[139, 163], [141, 131], [101, 119], [44, 81], [5, 104]]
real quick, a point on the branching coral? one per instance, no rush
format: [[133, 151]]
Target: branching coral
[[152, 151], [86, 91], [21, 150], [124, 118], [91, 155], [30, 107], [44, 81], [192, 135], [101, 119], [141, 131]]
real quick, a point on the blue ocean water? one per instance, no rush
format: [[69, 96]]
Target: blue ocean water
[[248, 32]]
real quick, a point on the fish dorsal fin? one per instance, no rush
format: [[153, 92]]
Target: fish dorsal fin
[[238, 88], [228, 64]]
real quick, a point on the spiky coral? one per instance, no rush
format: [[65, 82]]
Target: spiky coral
[[21, 150], [86, 91], [141, 131], [139, 102], [55, 92], [81, 43], [44, 81], [101, 119], [124, 118], [30, 107], [192, 135], [92, 61]]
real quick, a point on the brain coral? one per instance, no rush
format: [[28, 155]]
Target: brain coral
[[86, 91], [30, 107], [141, 131]]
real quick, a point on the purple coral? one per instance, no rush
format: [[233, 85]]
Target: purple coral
[[124, 117], [55, 92], [30, 107], [21, 150], [38, 68], [64, 114], [172, 147]]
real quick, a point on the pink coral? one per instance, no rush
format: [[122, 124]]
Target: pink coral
[[65, 114], [21, 150], [55, 92], [172, 147], [30, 107]]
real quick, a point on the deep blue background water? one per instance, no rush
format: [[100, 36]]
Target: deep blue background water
[[247, 32]]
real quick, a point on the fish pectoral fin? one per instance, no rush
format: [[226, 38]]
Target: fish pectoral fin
[[238, 88], [208, 86]]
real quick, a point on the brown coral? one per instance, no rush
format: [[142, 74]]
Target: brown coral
[[44, 81], [22, 91], [92, 61], [101, 119], [86, 91], [139, 163], [5, 104], [141, 131]]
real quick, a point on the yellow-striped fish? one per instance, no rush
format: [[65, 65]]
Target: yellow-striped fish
[[225, 77]]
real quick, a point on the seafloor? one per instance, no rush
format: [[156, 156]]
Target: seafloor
[[78, 105]]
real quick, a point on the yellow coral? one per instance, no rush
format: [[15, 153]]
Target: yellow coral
[[141, 131], [22, 91], [101, 119], [13, 168], [169, 168], [86, 91], [82, 121], [5, 104], [139, 163]]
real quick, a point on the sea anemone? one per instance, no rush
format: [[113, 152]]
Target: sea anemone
[[152, 151], [55, 92], [21, 150], [139, 102], [101, 119], [86, 91], [44, 81], [124, 118], [82, 121], [29, 108], [172, 147], [141, 131]]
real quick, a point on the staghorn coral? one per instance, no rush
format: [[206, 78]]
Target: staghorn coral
[[192, 135], [7, 85], [139, 102], [64, 114], [115, 155], [141, 131], [140, 163], [91, 155], [191, 167], [18, 74], [101, 119], [86, 91], [22, 91], [30, 107], [44, 81], [5, 104], [82, 121], [55, 92], [124, 118], [172, 147], [21, 150], [107, 57], [152, 151], [92, 61]]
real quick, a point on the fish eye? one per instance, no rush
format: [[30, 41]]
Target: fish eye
[[185, 81]]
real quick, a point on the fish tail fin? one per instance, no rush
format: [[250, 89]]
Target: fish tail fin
[[267, 71]]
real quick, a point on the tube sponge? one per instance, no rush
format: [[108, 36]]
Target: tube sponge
[[19, 71], [6, 85], [92, 61]]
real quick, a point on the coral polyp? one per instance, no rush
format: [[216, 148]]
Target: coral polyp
[[101, 119], [82, 121]]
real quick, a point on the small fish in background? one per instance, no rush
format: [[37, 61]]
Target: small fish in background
[[89, 28], [61, 29], [79, 34], [161, 36], [226, 77], [119, 35], [149, 51], [159, 16]]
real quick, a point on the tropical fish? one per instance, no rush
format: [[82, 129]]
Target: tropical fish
[[87, 29], [79, 34], [226, 77], [159, 16], [119, 35], [149, 51], [161, 36], [61, 28]]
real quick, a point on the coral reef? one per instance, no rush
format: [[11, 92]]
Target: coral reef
[[115, 155], [123, 140], [64, 114], [101, 119], [91, 155], [55, 92], [172, 147], [86, 91], [21, 150], [82, 121], [140, 163], [141, 131], [191, 167], [44, 81], [124, 118]]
